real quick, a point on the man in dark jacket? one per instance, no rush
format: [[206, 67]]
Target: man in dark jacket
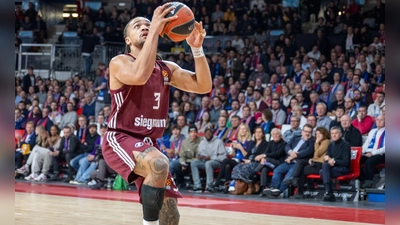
[[301, 147], [273, 156], [86, 147], [337, 162], [29, 80], [350, 134], [69, 147]]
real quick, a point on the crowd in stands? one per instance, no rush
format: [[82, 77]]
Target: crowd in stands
[[273, 107]]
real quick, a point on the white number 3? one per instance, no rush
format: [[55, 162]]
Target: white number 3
[[157, 99]]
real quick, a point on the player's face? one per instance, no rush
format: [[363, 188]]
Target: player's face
[[138, 30]]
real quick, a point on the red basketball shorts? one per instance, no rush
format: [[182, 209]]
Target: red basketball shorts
[[117, 151]]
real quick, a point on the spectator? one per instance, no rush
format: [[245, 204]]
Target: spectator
[[181, 122], [34, 115], [279, 116], [175, 141], [70, 117], [323, 120], [350, 134], [215, 110], [338, 115], [349, 108], [100, 87], [68, 149], [45, 121], [373, 151], [89, 107], [363, 122], [336, 162], [247, 118], [375, 109], [311, 166], [209, 157], [299, 148], [29, 80], [204, 122], [294, 130], [19, 120], [221, 127], [31, 11], [205, 101], [26, 141], [297, 111], [254, 154], [55, 115], [339, 97], [86, 164], [40, 31], [267, 125]]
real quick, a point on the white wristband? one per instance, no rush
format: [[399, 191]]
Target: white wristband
[[197, 52]]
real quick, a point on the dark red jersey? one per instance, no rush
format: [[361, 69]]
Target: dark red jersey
[[142, 110]]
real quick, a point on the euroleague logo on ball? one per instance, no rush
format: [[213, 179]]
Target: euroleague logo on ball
[[191, 27]]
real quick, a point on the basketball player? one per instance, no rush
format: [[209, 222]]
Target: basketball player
[[139, 86]]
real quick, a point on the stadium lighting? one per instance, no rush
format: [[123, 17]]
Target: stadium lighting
[[65, 15], [75, 15]]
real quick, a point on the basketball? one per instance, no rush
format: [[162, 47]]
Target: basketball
[[179, 29]]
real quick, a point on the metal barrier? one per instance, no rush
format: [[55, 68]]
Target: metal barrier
[[40, 56]]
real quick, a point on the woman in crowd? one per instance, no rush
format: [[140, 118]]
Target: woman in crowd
[[239, 151], [312, 166], [204, 122], [285, 96], [243, 171]]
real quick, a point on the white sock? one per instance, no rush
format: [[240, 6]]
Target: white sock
[[150, 222]]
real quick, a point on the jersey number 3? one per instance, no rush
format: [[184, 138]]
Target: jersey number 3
[[157, 99]]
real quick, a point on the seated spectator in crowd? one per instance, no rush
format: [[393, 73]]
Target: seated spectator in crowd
[[273, 155], [238, 150], [215, 110], [209, 157], [312, 120], [349, 108], [221, 128], [375, 109], [323, 120], [339, 112], [279, 116], [55, 115], [34, 116], [41, 141], [27, 140], [373, 151], [188, 152], [205, 102], [88, 141], [245, 171], [336, 162], [363, 122], [99, 176], [314, 101], [204, 122], [258, 98], [350, 134], [247, 118], [22, 106], [294, 130], [69, 117], [339, 96], [301, 147], [175, 141], [297, 111], [181, 122], [231, 134], [235, 111], [88, 164], [45, 121], [69, 148], [19, 120], [326, 95], [40, 158], [306, 167], [88, 108], [267, 125]]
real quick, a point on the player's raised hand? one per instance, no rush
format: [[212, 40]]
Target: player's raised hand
[[158, 20], [196, 38]]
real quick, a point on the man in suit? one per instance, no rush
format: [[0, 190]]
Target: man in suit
[[68, 149], [29, 80], [301, 147], [29, 138]]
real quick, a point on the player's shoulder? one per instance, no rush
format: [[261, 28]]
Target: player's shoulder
[[122, 58]]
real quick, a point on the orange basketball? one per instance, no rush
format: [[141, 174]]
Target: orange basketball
[[179, 29]]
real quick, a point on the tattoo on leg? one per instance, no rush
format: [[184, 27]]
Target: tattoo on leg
[[169, 214], [143, 154], [158, 172]]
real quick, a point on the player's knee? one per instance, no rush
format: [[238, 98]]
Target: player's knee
[[152, 200], [160, 165]]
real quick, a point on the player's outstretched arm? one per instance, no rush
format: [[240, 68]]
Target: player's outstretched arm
[[200, 81], [136, 72]]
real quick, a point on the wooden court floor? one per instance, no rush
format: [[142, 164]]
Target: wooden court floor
[[34, 209]]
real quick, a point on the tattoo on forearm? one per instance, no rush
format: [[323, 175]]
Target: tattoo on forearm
[[169, 214]]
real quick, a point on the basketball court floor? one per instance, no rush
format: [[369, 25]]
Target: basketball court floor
[[59, 204]]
